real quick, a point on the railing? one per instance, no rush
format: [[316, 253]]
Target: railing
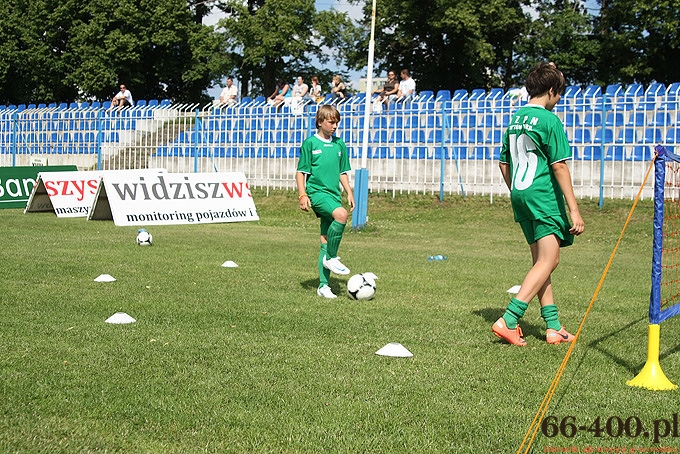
[[437, 143]]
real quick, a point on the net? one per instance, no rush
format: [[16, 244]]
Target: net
[[666, 256]]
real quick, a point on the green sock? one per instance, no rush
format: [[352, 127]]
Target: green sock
[[335, 231], [549, 314], [324, 274], [514, 312]]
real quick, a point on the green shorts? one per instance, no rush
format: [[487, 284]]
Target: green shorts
[[536, 229], [323, 206]]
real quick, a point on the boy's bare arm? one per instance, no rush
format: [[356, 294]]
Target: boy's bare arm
[[561, 171], [304, 200], [505, 171], [344, 181]]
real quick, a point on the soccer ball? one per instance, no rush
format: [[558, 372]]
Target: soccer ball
[[361, 286], [144, 238]]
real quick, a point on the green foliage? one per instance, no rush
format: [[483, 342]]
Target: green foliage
[[446, 44], [62, 51], [562, 33], [640, 40], [277, 39], [249, 359]]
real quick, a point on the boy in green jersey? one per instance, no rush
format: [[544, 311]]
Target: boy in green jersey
[[321, 170], [533, 164]]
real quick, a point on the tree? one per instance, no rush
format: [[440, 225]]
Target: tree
[[275, 39], [64, 50], [447, 44], [562, 32], [640, 41]]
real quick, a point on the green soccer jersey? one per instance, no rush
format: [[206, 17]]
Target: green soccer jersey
[[323, 161], [534, 140]]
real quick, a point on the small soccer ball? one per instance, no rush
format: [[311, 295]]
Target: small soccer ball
[[144, 238], [361, 286]]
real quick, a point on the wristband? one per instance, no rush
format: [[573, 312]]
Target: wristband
[[303, 195]]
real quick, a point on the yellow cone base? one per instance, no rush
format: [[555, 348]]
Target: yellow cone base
[[651, 376]]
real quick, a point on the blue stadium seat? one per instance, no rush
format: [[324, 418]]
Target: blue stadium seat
[[636, 119], [608, 136], [490, 121], [402, 152], [614, 90], [459, 94], [379, 136], [627, 105], [652, 135], [647, 104], [478, 153], [475, 136], [443, 95], [627, 136], [673, 135], [435, 136], [594, 119], [469, 121], [458, 152], [380, 152], [572, 119], [640, 153], [379, 121], [616, 152], [661, 119], [592, 153], [477, 94], [634, 90], [494, 136], [614, 119]]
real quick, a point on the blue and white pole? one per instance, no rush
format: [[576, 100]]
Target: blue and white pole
[[360, 215]]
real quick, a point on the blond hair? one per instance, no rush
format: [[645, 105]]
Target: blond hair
[[327, 112]]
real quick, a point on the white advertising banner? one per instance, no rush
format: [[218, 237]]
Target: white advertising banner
[[71, 194], [174, 198]]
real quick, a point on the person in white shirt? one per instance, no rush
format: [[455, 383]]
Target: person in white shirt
[[229, 93], [407, 86], [301, 89], [123, 98]]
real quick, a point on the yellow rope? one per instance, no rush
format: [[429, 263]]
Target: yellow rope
[[540, 414]]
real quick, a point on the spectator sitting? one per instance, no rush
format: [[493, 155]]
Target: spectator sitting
[[518, 95], [389, 91], [339, 90], [281, 93], [407, 86], [123, 98], [300, 89], [229, 93], [315, 90]]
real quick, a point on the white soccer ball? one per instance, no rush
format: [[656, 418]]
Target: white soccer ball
[[361, 286], [144, 238]]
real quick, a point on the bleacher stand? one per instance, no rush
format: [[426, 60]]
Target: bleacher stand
[[615, 123]]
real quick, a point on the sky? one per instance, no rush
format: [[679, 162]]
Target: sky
[[354, 11]]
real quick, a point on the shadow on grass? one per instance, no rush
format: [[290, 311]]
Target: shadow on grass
[[336, 284], [492, 314], [632, 368]]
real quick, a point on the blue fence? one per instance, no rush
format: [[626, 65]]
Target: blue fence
[[443, 141]]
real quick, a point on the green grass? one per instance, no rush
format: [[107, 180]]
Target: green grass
[[249, 359]]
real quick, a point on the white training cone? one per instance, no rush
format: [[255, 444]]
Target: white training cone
[[120, 318], [394, 349], [105, 278], [514, 289], [229, 264]]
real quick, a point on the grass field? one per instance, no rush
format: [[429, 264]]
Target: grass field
[[249, 359]]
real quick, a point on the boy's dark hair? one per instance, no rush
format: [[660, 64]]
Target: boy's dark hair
[[325, 112], [542, 78]]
